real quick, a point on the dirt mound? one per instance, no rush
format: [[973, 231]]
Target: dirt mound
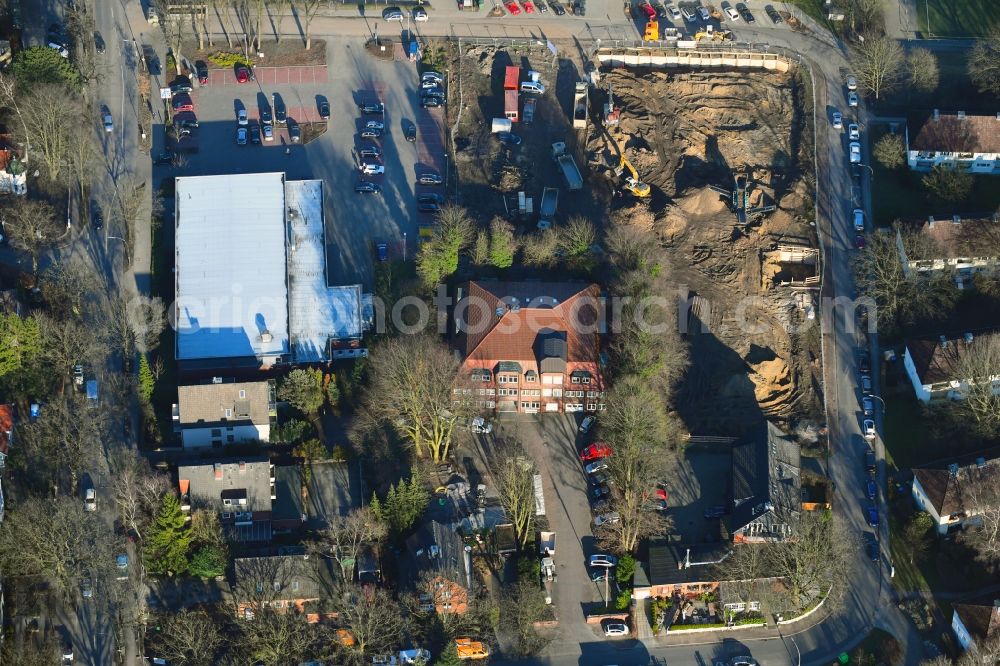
[[702, 202]]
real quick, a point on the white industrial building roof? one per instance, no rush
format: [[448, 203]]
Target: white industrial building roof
[[317, 313], [230, 267]]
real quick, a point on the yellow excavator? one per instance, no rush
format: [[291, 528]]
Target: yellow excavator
[[716, 35], [632, 182]]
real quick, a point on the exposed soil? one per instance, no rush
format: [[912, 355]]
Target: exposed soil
[[686, 132]]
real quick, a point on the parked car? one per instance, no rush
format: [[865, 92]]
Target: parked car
[[858, 215], [870, 461], [595, 451], [382, 251], [255, 133], [121, 565], [241, 117], [508, 138], [182, 102], [371, 152], [164, 159], [606, 518], [60, 49], [242, 74], [600, 492], [529, 7], [852, 83], [871, 547], [265, 115], [868, 406], [730, 12], [241, 136], [431, 74], [201, 70], [871, 515], [599, 479], [410, 133], [99, 43], [367, 188], [587, 424], [557, 8], [430, 198], [773, 14], [615, 628], [852, 99], [599, 575], [392, 14], [86, 587], [855, 152], [430, 179], [512, 7], [428, 207], [96, 217], [181, 84], [859, 242], [294, 132], [675, 13], [324, 110], [375, 124], [866, 385], [596, 466], [602, 560], [853, 132], [90, 499], [67, 651], [268, 132], [869, 428], [370, 169], [370, 133], [532, 87], [109, 125], [838, 120], [863, 364], [703, 13], [280, 112], [419, 14], [372, 107], [431, 102], [871, 488]]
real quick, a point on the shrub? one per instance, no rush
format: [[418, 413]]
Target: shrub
[[292, 432], [228, 59], [624, 599], [625, 570], [528, 568], [950, 185], [40, 64], [339, 454]]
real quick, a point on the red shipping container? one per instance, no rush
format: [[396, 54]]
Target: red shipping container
[[512, 78]]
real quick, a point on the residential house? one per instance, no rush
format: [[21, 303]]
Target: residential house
[[282, 582], [960, 248], [766, 486], [224, 413], [685, 571], [933, 364], [950, 493], [240, 490], [530, 347], [976, 623], [6, 432], [953, 140], [287, 507], [442, 567]]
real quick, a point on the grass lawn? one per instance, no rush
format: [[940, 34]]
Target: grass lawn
[[813, 9], [957, 18], [908, 441], [900, 194], [880, 644]]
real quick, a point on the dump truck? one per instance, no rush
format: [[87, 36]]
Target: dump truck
[[547, 209], [568, 166], [580, 99], [470, 649]]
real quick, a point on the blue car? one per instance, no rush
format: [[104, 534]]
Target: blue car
[[871, 513], [872, 489], [383, 252]]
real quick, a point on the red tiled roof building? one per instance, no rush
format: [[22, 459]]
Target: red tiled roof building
[[531, 346]]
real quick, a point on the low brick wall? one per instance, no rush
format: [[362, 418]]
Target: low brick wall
[[597, 619]]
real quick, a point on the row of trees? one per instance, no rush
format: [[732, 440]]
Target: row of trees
[[499, 245], [882, 67]]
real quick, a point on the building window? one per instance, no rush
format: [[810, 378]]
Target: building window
[[556, 393], [575, 379], [229, 413], [216, 432], [504, 391], [530, 406], [243, 394], [591, 406], [295, 586], [531, 376], [227, 502], [590, 394]]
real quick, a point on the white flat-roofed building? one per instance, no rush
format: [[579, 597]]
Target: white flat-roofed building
[[232, 301], [318, 314]]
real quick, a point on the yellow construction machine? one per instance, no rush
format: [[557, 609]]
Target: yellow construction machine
[[632, 182], [715, 35]]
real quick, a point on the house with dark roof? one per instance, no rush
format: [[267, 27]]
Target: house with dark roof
[[933, 364], [976, 623], [240, 490], [953, 140], [956, 246], [766, 486], [216, 414], [688, 571], [530, 347], [293, 582], [950, 494]]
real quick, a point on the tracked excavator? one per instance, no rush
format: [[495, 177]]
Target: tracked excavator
[[632, 182]]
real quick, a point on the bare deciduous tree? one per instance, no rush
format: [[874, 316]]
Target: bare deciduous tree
[[68, 289], [978, 365], [411, 389], [137, 491], [513, 473], [134, 322], [521, 606], [309, 9], [188, 638], [66, 441], [373, 617], [922, 71], [890, 151], [277, 11], [343, 540], [984, 64], [69, 342], [33, 226], [275, 637], [878, 64]]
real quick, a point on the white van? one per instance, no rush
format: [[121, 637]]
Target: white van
[[533, 87]]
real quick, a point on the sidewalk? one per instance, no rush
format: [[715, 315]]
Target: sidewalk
[[640, 616]]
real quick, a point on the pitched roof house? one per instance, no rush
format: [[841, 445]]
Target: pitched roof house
[[687, 571], [932, 364], [443, 569], [766, 485], [282, 582], [960, 247], [241, 490], [952, 139], [976, 623], [531, 346], [949, 494], [224, 413]]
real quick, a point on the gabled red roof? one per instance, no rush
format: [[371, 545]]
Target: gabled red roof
[[6, 427]]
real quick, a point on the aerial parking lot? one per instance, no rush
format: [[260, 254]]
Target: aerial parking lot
[[358, 94]]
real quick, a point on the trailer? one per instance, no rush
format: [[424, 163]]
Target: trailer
[[512, 78], [568, 166], [548, 577], [510, 105], [547, 209], [547, 543], [580, 104]]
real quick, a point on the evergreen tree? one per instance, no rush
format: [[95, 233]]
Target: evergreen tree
[[169, 539], [404, 504], [449, 656], [146, 381], [208, 561]]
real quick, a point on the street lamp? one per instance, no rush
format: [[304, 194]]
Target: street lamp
[[869, 168], [792, 639], [881, 401], [124, 243]]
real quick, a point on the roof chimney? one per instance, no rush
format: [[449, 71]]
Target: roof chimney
[[218, 471], [265, 336], [243, 467], [961, 115]]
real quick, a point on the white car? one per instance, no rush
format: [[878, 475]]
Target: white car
[[859, 220], [732, 14], [375, 125], [419, 14], [838, 120], [372, 169], [437, 76], [855, 152], [533, 87], [615, 629], [852, 83], [869, 427], [415, 656], [109, 125], [430, 83], [241, 117], [90, 499], [703, 12], [62, 50], [675, 13], [852, 99], [596, 466], [853, 132], [606, 518], [603, 560]]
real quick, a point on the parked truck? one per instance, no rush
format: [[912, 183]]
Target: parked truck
[[547, 549], [568, 165], [510, 102], [547, 544], [547, 209], [466, 648], [580, 104]]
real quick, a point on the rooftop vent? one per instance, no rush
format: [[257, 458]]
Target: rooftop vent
[[968, 338], [961, 115], [265, 336], [243, 467], [218, 471]]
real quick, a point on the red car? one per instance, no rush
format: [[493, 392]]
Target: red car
[[182, 102], [512, 7], [595, 451], [528, 7], [242, 74]]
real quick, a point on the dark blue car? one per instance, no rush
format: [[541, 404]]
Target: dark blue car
[[872, 488], [871, 513]]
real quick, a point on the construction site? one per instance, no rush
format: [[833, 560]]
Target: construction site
[[718, 164]]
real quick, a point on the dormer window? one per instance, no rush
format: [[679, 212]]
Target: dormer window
[[531, 376]]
